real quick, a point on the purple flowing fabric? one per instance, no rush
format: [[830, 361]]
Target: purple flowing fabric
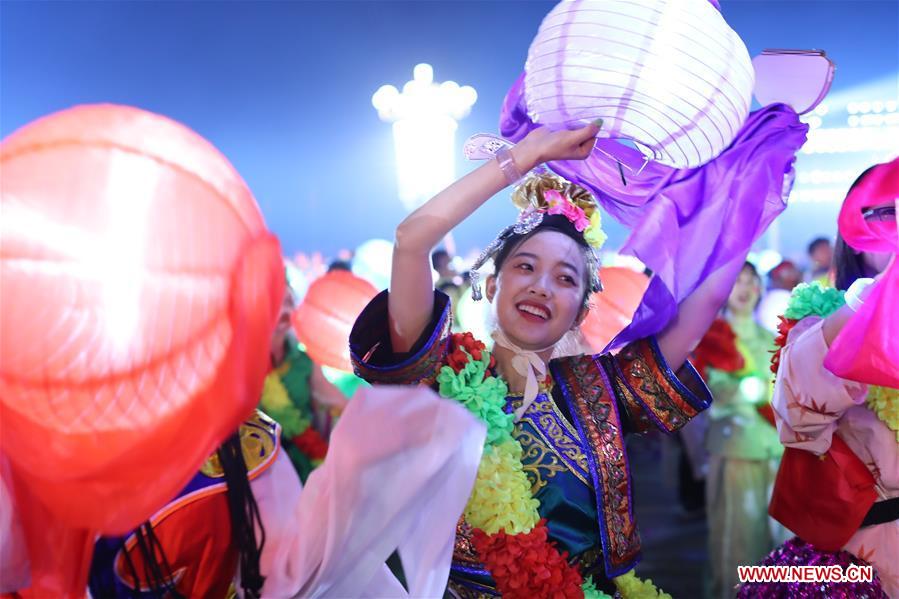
[[685, 223]]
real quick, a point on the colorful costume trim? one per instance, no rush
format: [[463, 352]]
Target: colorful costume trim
[[652, 391], [558, 435], [585, 388], [418, 368]]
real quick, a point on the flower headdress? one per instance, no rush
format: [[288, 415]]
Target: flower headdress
[[542, 195]]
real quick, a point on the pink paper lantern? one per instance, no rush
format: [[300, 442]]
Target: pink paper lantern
[[613, 308], [325, 318]]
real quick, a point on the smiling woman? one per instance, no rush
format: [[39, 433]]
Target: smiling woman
[[553, 488]]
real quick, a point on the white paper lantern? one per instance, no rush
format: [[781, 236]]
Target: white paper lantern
[[669, 75]]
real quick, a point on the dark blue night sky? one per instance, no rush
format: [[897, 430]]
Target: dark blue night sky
[[284, 88]]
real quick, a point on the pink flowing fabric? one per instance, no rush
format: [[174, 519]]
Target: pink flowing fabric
[[867, 349]]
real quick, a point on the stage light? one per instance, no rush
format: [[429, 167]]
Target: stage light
[[813, 121], [424, 117]]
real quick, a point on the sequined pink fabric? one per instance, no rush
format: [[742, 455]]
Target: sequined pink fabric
[[797, 552]]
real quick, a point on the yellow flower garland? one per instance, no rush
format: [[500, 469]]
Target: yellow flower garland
[[632, 587], [884, 402], [501, 498], [594, 235], [274, 394], [275, 402]]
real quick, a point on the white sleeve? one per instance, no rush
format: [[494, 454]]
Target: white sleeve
[[399, 470]]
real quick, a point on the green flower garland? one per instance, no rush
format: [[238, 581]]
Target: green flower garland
[[813, 299]]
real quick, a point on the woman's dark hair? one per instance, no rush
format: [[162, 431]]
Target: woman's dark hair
[[816, 242], [157, 571], [751, 268], [849, 265], [554, 222], [758, 279]]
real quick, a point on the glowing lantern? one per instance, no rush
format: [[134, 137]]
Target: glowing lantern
[[324, 319], [613, 308], [668, 75], [140, 289]]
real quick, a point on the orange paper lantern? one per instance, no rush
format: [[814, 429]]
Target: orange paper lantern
[[140, 290], [613, 308], [324, 319]]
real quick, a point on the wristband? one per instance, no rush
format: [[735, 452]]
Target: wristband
[[508, 167], [853, 294]]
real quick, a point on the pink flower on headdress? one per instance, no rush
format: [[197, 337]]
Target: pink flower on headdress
[[555, 200], [559, 204]]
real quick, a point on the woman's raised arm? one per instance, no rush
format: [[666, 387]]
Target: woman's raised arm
[[696, 313], [411, 300]]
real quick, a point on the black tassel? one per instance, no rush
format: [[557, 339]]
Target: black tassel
[[245, 516]]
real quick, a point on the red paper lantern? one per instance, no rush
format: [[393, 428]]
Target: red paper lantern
[[613, 308], [324, 319], [140, 290]]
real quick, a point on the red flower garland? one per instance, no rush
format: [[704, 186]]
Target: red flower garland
[[718, 349], [783, 330], [528, 565], [457, 359], [311, 443]]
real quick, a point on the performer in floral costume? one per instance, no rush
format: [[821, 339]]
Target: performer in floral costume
[[838, 484], [552, 512], [193, 545]]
